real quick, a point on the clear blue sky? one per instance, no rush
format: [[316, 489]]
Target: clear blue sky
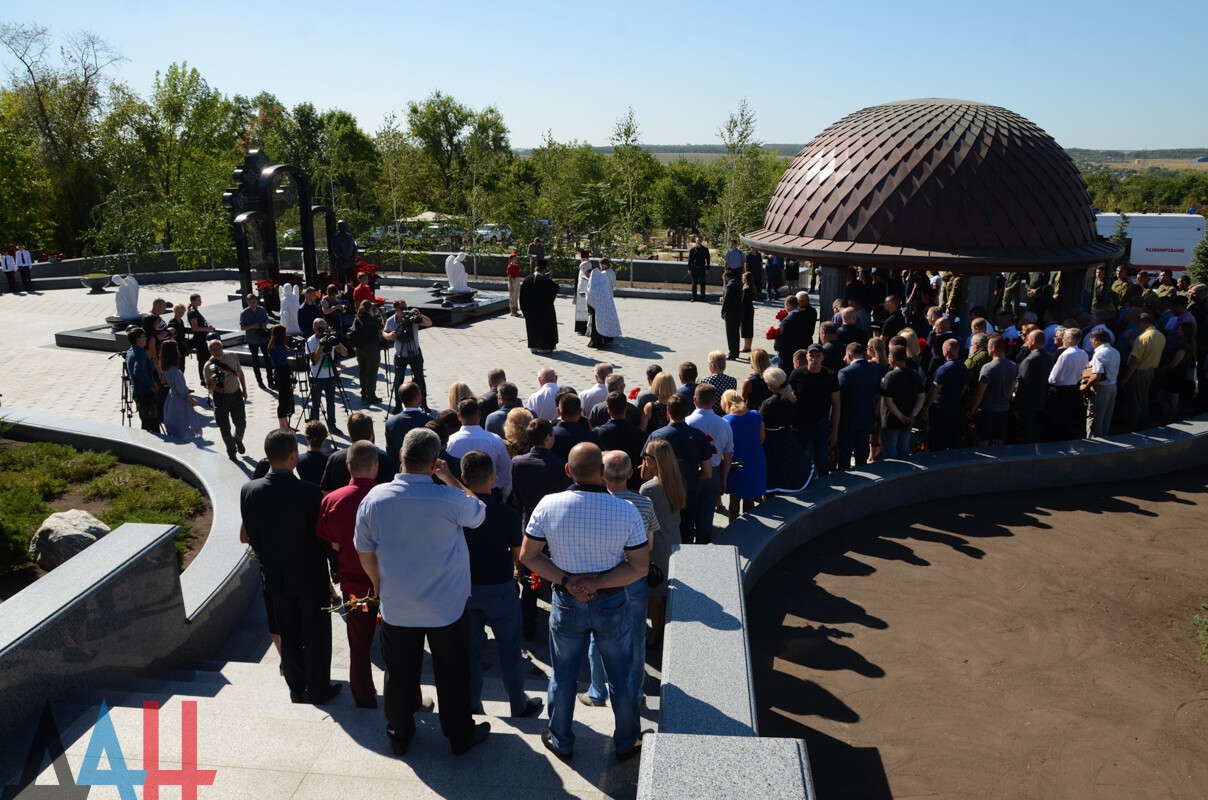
[[1108, 74]]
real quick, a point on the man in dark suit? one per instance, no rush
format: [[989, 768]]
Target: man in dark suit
[[850, 331], [570, 431], [489, 402], [620, 434], [698, 267], [281, 514], [833, 353], [409, 396], [859, 389], [534, 475], [731, 312], [694, 455], [687, 375], [796, 333], [336, 474]]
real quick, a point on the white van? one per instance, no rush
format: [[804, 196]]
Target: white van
[[1158, 241]]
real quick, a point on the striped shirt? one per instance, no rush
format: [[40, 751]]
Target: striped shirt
[[645, 507]]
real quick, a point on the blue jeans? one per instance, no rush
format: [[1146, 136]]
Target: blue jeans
[[639, 594], [813, 437], [497, 605], [895, 442], [323, 386], [571, 625]]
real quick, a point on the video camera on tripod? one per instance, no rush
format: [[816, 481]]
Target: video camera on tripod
[[406, 330]]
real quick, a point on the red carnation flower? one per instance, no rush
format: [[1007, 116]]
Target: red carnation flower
[[781, 314], [773, 333], [633, 395]]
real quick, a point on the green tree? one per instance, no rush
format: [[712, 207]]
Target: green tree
[[438, 125], [59, 109], [632, 171], [24, 183], [1198, 268], [681, 196], [1120, 238], [744, 177]]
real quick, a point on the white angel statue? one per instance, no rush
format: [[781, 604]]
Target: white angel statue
[[127, 297], [456, 272], [290, 301]]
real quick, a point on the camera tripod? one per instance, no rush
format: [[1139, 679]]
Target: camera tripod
[[314, 391], [126, 402]]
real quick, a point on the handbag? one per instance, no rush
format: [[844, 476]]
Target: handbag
[[655, 577]]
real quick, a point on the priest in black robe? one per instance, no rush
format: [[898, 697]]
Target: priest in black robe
[[537, 294]]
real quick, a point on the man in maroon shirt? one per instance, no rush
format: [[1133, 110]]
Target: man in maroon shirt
[[337, 524]]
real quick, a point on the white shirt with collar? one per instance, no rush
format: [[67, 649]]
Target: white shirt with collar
[[475, 437], [24, 259], [593, 396], [543, 403], [1086, 337], [1068, 369], [1105, 361], [8, 263], [719, 432]]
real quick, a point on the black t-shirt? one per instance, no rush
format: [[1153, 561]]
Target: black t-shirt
[[491, 542], [193, 315], [813, 390], [893, 324], [903, 386], [311, 465]]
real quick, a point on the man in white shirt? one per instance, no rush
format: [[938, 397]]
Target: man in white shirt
[[1101, 382], [721, 446], [322, 374], [543, 403], [24, 263], [1063, 410], [598, 393], [9, 265], [472, 436]]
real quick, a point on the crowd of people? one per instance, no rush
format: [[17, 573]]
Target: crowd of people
[[896, 370]]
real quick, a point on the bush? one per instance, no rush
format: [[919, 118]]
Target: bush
[[14, 545]]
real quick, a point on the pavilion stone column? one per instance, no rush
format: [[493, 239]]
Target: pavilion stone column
[[979, 291], [831, 280], [1074, 290]]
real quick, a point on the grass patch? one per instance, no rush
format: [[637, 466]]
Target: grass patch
[[37, 472], [1201, 626]]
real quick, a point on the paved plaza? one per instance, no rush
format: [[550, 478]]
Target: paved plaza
[[260, 744]]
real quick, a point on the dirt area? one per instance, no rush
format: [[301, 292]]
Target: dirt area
[[1164, 163], [997, 646], [21, 576]]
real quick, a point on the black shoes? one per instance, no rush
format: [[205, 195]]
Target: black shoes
[[636, 750], [239, 446], [533, 708], [327, 695], [399, 744], [481, 731], [547, 741]]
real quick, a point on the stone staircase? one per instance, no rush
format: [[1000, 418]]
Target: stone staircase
[[262, 745]]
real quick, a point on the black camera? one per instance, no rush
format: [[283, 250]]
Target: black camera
[[411, 317], [330, 340]]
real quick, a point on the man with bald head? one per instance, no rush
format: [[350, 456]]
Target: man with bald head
[[1032, 388], [597, 546], [543, 403]]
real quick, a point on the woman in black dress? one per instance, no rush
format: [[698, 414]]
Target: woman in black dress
[[753, 390], [788, 469], [746, 325]]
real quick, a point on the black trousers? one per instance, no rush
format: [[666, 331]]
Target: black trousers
[[26, 279], [1064, 414], [12, 280], [732, 325], [700, 278], [228, 410], [258, 350], [401, 362], [148, 412], [305, 630], [403, 652], [594, 340]]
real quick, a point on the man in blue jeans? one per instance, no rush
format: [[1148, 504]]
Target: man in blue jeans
[[617, 471], [597, 546], [902, 399], [493, 547]]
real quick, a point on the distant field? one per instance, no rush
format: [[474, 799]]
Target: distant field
[[697, 157], [1164, 163]]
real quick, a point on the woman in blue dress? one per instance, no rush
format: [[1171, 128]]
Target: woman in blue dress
[[747, 480], [180, 420]]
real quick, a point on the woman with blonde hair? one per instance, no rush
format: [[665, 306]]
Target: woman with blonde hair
[[747, 480], [515, 431], [654, 415], [460, 390], [665, 487], [787, 467], [754, 390]]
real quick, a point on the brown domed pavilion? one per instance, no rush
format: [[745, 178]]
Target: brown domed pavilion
[[935, 184]]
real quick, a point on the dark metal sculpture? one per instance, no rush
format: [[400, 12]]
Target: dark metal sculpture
[[943, 184], [258, 200]]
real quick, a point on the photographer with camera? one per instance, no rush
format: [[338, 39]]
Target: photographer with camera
[[403, 329], [324, 348], [224, 378], [142, 379], [367, 338]]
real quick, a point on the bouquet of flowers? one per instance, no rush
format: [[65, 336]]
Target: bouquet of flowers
[[266, 285], [633, 393], [773, 333], [355, 605], [781, 314]]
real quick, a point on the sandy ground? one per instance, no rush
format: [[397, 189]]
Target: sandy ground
[[1034, 645]]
